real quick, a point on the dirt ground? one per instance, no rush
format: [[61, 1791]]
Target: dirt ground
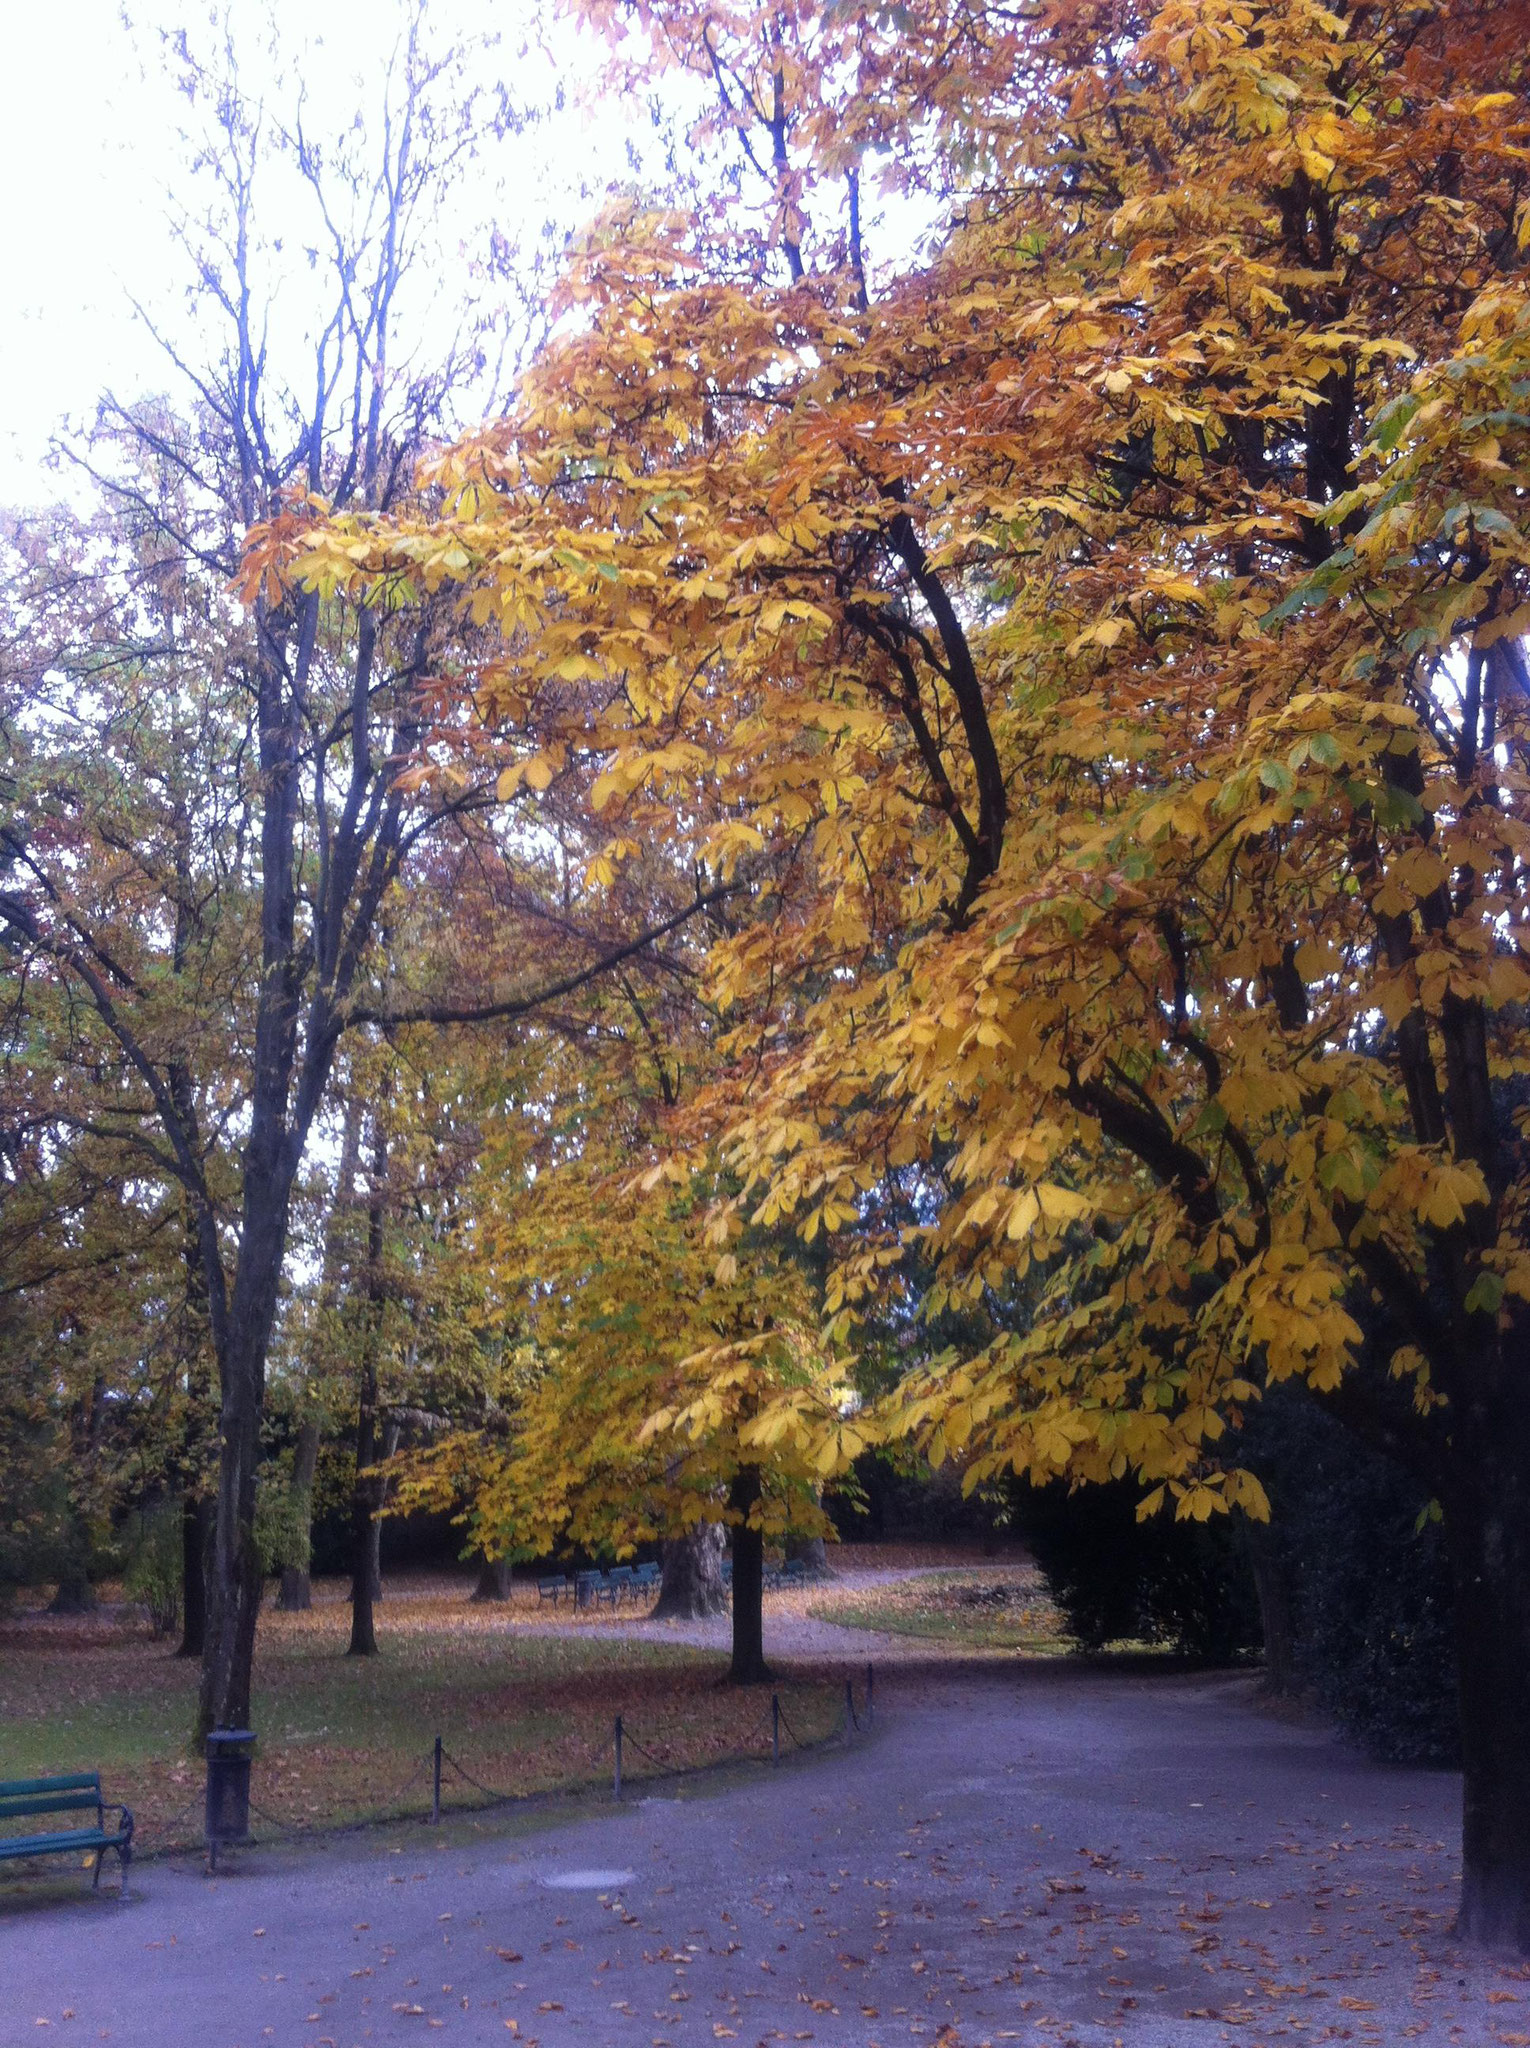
[[1018, 1851]]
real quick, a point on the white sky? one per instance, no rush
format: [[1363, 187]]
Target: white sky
[[88, 155]]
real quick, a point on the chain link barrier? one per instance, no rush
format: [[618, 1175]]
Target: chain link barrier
[[768, 1729]]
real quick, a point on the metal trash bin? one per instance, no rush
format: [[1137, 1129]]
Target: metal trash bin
[[229, 1754]]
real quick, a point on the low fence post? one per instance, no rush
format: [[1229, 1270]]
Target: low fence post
[[435, 1784], [616, 1788], [849, 1708], [871, 1696], [775, 1727]]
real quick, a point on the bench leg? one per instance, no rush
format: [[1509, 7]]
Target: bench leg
[[95, 1882], [124, 1858]]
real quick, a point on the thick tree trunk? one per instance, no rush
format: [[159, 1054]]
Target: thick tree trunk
[[294, 1594], [74, 1593], [1487, 1525], [812, 1551], [748, 1666], [236, 1579], [493, 1579], [197, 1504], [196, 1546], [691, 1588]]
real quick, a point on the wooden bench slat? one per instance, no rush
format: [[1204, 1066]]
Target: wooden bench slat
[[77, 1781], [53, 1845], [58, 1802]]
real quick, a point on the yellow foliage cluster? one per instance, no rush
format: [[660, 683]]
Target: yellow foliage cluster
[[1097, 650]]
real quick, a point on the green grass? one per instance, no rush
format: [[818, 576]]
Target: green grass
[[525, 1711], [984, 1609]]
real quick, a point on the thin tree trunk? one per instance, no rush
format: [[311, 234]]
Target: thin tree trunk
[[748, 1666], [363, 1517], [1272, 1589], [196, 1546], [374, 1552], [296, 1595], [691, 1586], [365, 1494]]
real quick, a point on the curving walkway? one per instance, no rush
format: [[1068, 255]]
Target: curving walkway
[[1020, 1852]]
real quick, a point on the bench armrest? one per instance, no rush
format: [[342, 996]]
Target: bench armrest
[[115, 1806]]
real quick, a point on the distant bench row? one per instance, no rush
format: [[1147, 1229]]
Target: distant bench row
[[588, 1589], [638, 1582]]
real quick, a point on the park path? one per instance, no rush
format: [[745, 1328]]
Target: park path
[[1020, 1851]]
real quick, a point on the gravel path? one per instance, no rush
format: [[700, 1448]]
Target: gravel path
[[1019, 1852]]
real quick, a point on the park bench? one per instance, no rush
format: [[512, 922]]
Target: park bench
[[620, 1581], [554, 1589], [26, 1798], [646, 1579]]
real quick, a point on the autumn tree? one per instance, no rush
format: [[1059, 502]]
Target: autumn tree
[[654, 1383], [1100, 646], [208, 813]]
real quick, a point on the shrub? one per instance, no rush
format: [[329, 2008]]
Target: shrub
[[152, 1574], [1368, 1582], [1186, 1585]]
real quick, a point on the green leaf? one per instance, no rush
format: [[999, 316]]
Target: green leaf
[[1484, 1295]]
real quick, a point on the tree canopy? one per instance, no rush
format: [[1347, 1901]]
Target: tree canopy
[[1094, 644]]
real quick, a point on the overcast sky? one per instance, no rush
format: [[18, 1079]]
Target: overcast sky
[[88, 155]]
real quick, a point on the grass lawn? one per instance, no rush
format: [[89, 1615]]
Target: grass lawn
[[523, 1708], [994, 1607]]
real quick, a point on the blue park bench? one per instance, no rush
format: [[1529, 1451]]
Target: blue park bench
[[78, 1793], [622, 1582]]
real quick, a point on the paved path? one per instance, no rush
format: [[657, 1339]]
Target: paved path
[[1019, 1853]]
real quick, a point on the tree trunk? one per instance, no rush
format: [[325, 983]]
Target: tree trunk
[[74, 1593], [812, 1551], [748, 1666], [366, 1575], [363, 1518], [493, 1579], [197, 1504], [691, 1588], [196, 1547], [1487, 1526], [1272, 1589], [236, 1579], [296, 1595]]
